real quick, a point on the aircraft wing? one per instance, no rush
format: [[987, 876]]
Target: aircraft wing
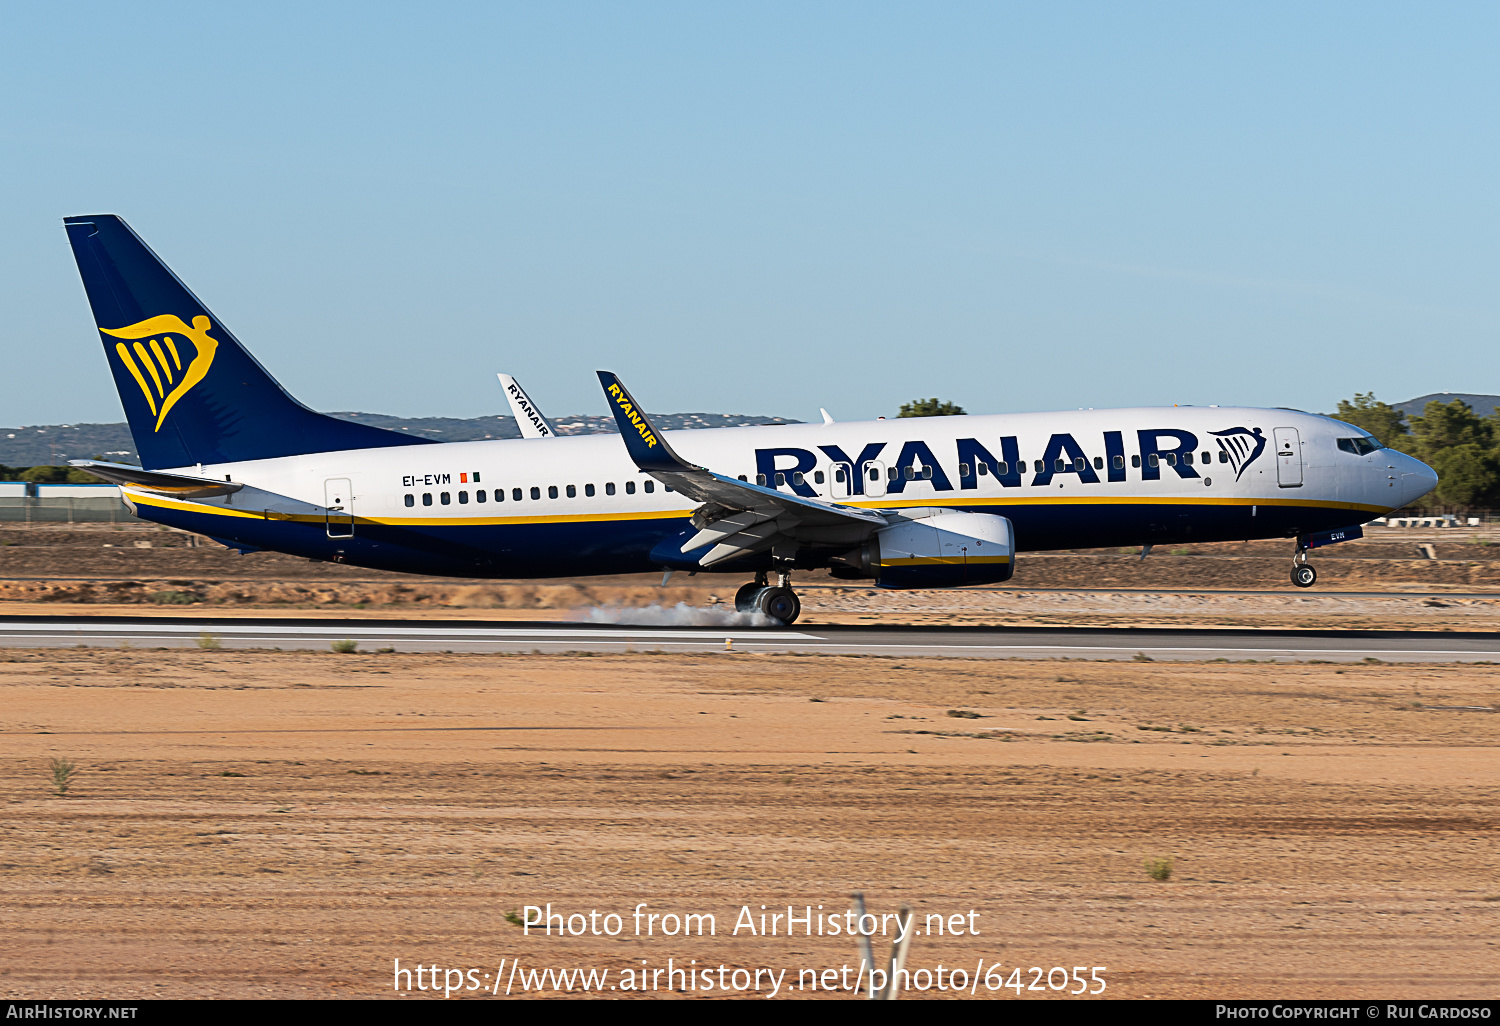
[[180, 486], [528, 415], [737, 517]]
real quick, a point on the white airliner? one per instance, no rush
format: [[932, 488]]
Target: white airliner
[[914, 503]]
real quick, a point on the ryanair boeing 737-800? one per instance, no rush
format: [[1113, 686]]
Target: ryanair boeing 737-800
[[916, 503]]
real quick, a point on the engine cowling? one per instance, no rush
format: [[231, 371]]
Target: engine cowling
[[940, 550]]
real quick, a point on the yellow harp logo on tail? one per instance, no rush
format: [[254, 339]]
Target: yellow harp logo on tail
[[153, 347]]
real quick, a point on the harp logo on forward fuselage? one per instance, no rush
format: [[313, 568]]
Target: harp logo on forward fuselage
[[156, 363]]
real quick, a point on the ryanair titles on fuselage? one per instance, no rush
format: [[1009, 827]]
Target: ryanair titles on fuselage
[[1176, 449]]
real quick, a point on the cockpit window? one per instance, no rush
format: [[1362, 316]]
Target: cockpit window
[[1359, 446]]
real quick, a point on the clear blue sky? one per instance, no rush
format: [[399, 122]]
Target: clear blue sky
[[768, 208]]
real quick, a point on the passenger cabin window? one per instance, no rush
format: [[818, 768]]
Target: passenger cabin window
[[411, 500], [463, 498], [1171, 459], [780, 480], [588, 490], [742, 478], [1358, 446], [1135, 461], [515, 495], [1002, 468], [797, 477], [572, 492], [480, 495], [427, 498], [552, 491], [1187, 458], [609, 488], [1098, 462], [817, 477], [760, 479], [536, 493], [1207, 457], [1223, 456], [629, 487], [650, 486], [963, 470], [1153, 459], [1119, 462], [1040, 466], [445, 498]]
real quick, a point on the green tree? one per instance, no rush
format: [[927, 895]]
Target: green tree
[[1468, 475], [1443, 426], [931, 408], [56, 475], [1386, 423]]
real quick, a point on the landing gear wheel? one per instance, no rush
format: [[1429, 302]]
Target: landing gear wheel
[[780, 604], [744, 599], [1303, 575]]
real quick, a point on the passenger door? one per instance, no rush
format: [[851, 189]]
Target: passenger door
[[339, 500], [874, 472], [1288, 457]]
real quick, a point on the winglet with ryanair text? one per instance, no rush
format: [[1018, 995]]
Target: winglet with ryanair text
[[644, 443]]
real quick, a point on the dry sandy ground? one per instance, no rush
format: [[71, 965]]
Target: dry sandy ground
[[287, 824]]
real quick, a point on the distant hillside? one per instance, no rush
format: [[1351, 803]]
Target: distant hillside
[[51, 444], [1484, 405]]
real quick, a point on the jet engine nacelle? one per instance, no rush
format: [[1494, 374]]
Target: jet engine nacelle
[[937, 550]]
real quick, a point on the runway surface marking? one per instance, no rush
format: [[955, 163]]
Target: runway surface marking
[[1088, 643]]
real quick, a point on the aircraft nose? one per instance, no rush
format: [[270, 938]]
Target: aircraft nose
[[1417, 479]]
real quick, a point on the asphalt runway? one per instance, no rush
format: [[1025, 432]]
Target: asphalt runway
[[957, 642]]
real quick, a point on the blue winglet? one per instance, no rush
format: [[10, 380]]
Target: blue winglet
[[644, 443]]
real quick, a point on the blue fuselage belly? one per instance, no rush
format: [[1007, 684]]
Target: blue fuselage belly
[[580, 548]]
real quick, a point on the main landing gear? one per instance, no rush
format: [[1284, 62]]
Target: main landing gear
[[779, 602], [1303, 575]]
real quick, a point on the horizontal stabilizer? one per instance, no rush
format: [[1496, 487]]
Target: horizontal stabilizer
[[179, 486]]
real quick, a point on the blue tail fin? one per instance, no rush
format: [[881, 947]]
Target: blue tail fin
[[191, 392]]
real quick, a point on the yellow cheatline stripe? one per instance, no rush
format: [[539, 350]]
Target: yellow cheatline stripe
[[161, 359], [135, 372], [140, 351], [947, 560], [682, 514], [318, 518], [172, 346]]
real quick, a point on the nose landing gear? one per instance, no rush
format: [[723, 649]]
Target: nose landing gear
[[1303, 575], [779, 602]]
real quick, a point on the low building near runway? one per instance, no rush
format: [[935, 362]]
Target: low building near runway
[[39, 503]]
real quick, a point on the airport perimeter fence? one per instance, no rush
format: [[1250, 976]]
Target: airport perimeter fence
[[64, 510]]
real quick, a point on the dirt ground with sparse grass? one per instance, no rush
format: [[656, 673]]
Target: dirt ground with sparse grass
[[264, 824]]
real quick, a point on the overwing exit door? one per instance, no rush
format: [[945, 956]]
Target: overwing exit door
[[839, 484]]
